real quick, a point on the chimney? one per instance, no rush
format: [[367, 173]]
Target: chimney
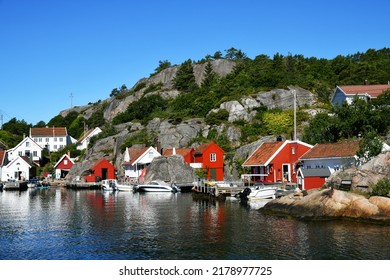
[[366, 82], [174, 151], [279, 138], [68, 153]]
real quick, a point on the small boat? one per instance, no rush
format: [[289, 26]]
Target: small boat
[[156, 186], [109, 185], [258, 192], [124, 188]]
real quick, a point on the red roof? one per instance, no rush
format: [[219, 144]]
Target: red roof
[[263, 153], [48, 131], [179, 151], [2, 154], [330, 150], [372, 90], [135, 153]]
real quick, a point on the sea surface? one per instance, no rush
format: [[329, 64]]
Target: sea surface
[[64, 224]]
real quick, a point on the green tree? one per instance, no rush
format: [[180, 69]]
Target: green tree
[[17, 127], [185, 78], [321, 129], [382, 187], [162, 65], [370, 146]]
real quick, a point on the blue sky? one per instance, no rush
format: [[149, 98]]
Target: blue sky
[[51, 49]]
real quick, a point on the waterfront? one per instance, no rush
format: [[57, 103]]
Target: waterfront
[[62, 224]]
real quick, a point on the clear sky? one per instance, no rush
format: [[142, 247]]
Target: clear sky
[[52, 49]]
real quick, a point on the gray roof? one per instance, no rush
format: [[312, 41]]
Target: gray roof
[[315, 172]]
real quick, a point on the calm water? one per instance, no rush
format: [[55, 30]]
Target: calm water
[[66, 224]]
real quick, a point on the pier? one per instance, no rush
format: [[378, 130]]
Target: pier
[[218, 189]]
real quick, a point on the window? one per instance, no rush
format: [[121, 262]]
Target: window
[[293, 150], [27, 153], [213, 157], [55, 147], [61, 139], [27, 144], [47, 140], [55, 139], [20, 153], [65, 162], [35, 153]]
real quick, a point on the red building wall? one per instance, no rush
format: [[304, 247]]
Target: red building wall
[[215, 170], [313, 182], [102, 169], [62, 164], [289, 155]]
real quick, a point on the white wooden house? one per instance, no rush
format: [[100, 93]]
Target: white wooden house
[[136, 160], [51, 138], [26, 148], [18, 169], [83, 142]]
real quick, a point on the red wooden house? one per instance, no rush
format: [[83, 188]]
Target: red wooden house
[[211, 158], [102, 170], [187, 153], [275, 161], [63, 166]]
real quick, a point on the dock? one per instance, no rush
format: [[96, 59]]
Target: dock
[[217, 188]]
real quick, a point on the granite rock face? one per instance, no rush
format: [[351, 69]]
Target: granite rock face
[[330, 203], [171, 169]]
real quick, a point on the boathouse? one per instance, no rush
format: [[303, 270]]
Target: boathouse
[[102, 170], [63, 166], [210, 157], [275, 162]]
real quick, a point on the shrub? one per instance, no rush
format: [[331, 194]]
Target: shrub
[[382, 187]]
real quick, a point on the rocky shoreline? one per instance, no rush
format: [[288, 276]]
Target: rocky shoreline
[[332, 204]]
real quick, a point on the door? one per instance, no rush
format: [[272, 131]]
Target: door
[[213, 174], [104, 174], [286, 173]]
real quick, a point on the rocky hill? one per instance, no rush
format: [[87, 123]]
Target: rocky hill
[[173, 133]]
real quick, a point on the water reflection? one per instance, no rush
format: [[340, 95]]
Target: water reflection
[[67, 224]]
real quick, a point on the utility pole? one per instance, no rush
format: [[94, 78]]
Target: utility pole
[[295, 114]]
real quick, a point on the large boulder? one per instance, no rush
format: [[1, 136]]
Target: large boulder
[[331, 203], [171, 169]]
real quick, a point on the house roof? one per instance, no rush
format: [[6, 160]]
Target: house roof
[[62, 158], [135, 153], [371, 90], [263, 153], [332, 150], [179, 151], [202, 147], [48, 131], [87, 134], [315, 172]]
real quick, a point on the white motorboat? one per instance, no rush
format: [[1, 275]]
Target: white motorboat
[[109, 185], [258, 192], [124, 188], [156, 186], [113, 185]]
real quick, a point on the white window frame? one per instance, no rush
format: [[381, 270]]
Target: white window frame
[[213, 157]]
